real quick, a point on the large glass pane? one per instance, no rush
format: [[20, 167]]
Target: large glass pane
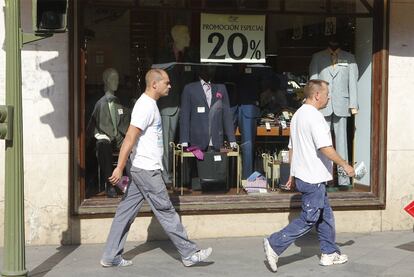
[[306, 6], [134, 40], [351, 6]]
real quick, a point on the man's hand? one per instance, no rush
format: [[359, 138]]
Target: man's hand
[[116, 176], [349, 170], [290, 184]]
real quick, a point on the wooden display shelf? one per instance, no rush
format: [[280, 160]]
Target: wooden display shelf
[[275, 131]]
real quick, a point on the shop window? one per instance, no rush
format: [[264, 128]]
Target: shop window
[[306, 6], [133, 39]]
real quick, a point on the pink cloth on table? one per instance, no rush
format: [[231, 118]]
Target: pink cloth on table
[[196, 152]]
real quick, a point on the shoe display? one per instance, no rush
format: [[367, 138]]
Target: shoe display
[[271, 255], [121, 263], [197, 257], [334, 258]]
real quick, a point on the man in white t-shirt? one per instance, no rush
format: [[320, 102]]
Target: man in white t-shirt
[[311, 155], [144, 145]]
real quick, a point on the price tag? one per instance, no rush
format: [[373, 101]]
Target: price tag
[[201, 109], [283, 124], [217, 158], [232, 38], [267, 124]]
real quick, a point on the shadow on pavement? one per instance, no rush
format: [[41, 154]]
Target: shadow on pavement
[[42, 269]]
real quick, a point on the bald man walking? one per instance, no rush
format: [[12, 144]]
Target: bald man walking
[[311, 155], [144, 145]]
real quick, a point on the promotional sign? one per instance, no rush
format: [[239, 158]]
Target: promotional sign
[[230, 38], [410, 208]]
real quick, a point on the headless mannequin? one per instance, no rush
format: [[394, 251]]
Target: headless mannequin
[[333, 46], [339, 69], [205, 76]]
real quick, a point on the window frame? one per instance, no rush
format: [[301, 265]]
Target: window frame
[[216, 204]]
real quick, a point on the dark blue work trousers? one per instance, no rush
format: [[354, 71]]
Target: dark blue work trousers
[[316, 211]]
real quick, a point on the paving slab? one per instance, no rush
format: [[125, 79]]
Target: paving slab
[[373, 254]]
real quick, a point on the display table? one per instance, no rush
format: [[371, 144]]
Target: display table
[[276, 131], [179, 155]]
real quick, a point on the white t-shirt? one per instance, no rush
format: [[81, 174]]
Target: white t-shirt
[[308, 133], [148, 150]]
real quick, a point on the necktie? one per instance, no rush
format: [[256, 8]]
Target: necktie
[[334, 58], [112, 111], [207, 91]]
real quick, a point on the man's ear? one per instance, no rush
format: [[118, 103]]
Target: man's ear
[[154, 84]]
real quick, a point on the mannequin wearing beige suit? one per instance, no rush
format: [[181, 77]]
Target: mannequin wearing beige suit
[[340, 70]]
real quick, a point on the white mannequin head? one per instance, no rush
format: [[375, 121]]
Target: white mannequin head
[[110, 78], [180, 36]]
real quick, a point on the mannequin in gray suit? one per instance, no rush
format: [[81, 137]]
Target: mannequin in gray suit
[[179, 51], [339, 68], [109, 123]]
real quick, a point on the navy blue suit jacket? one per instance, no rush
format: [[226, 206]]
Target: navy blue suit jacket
[[198, 122]]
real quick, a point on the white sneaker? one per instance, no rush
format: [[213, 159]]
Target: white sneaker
[[197, 257], [121, 263], [271, 255], [334, 258]]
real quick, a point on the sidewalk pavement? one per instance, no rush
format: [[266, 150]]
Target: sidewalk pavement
[[374, 254]]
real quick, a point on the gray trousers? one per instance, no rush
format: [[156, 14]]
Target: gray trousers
[[169, 128], [341, 141], [148, 185]]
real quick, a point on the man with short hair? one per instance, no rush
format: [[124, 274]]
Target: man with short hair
[[143, 144], [311, 155]]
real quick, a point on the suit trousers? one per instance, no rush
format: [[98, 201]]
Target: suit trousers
[[316, 211], [169, 127], [246, 118], [338, 123], [148, 185], [104, 152]]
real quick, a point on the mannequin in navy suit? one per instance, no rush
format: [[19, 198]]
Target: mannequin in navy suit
[[340, 70], [204, 124]]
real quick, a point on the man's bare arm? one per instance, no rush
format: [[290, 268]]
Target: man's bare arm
[[129, 141], [289, 184], [331, 154]]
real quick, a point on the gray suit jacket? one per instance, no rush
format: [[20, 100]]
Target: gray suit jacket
[[343, 81], [198, 122], [101, 121]]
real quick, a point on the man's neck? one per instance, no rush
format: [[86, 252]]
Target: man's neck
[[152, 94], [312, 103]]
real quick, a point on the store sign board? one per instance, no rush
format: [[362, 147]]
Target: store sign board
[[231, 38]]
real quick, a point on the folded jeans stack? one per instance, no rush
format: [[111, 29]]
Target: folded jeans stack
[[256, 183]]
